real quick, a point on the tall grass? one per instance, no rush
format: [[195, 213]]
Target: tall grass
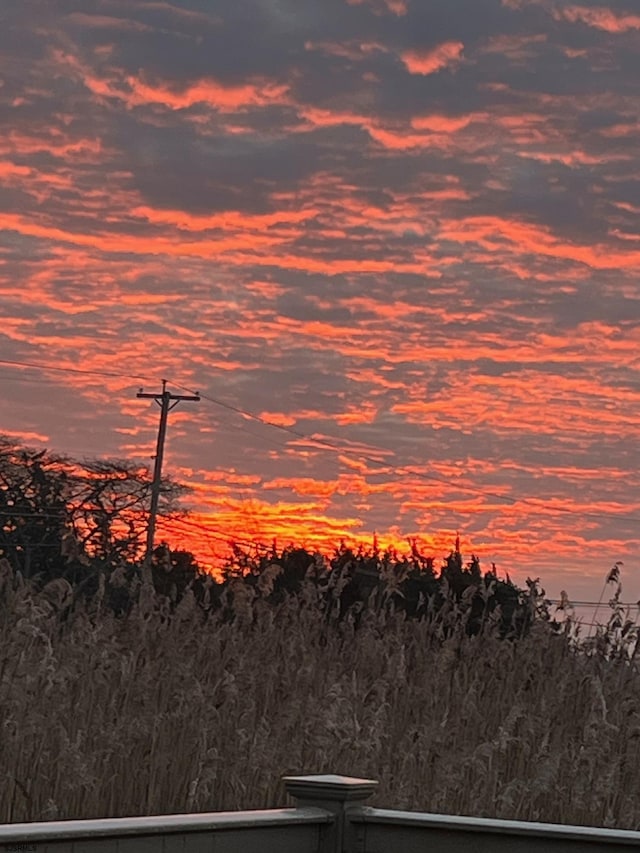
[[152, 713]]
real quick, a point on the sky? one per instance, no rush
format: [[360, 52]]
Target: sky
[[401, 236]]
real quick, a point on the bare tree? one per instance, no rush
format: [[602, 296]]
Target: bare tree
[[56, 513]]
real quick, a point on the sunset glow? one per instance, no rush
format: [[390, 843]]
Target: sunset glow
[[401, 234]]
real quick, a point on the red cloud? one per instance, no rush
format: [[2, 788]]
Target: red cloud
[[598, 17], [445, 55], [224, 98]]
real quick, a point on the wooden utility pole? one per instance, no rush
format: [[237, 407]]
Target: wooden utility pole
[[167, 401]]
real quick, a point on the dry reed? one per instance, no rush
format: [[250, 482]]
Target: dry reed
[[152, 714]]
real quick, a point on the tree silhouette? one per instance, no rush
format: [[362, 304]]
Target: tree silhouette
[[58, 516], [33, 510]]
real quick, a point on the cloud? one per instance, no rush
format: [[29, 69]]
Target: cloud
[[446, 55], [599, 17], [408, 230]]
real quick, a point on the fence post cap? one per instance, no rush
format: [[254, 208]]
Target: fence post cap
[[329, 786]]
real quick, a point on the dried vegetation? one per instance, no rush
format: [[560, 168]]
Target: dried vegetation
[[191, 711]]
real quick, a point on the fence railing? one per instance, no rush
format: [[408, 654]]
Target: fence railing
[[330, 816]]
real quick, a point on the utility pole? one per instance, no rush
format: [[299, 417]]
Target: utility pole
[[167, 401]]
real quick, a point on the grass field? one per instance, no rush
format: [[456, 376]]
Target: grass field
[[105, 716]]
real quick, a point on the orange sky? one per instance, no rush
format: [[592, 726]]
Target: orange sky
[[405, 231]]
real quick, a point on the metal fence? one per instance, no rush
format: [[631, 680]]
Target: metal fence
[[330, 816]]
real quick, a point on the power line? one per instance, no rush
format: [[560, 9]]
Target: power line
[[18, 514], [81, 371], [227, 424], [568, 605], [215, 533]]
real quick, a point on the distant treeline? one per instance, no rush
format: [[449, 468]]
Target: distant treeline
[[82, 525]]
